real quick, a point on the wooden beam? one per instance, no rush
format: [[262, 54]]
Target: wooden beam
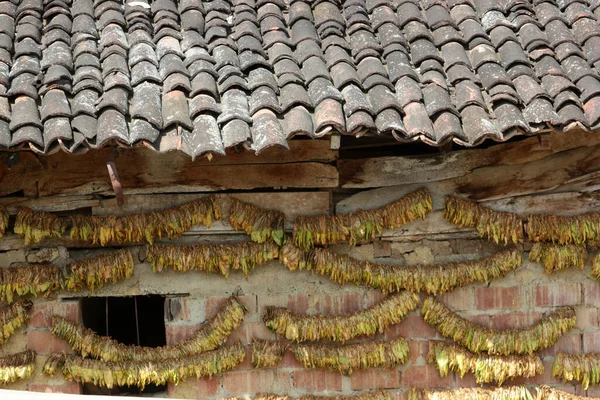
[[391, 171], [306, 165]]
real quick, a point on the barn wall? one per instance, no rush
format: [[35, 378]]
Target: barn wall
[[517, 300]]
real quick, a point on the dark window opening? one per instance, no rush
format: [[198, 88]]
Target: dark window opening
[[135, 320]]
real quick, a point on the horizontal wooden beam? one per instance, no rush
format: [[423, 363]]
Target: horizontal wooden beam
[[391, 171], [308, 164]]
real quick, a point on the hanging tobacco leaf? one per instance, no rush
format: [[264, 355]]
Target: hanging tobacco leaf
[[35, 226], [340, 328], [477, 338], [579, 229], [493, 225], [170, 223], [376, 395], [30, 279], [557, 257], [211, 335], [54, 363], [212, 258], [504, 393], [432, 279], [267, 353], [596, 267], [17, 366], [361, 226], [160, 372], [351, 357], [3, 220], [13, 317], [584, 368], [261, 225], [486, 368], [93, 273], [547, 393]]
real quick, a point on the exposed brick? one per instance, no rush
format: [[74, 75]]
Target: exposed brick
[[249, 330], [214, 304], [255, 381], [587, 318], [298, 303], [203, 387], [515, 320], [67, 388], [413, 326], [317, 380], [558, 294], [591, 342], [375, 379], [487, 298], [425, 376], [418, 351], [178, 333], [289, 361], [41, 314], [44, 342], [460, 299], [591, 290], [336, 304], [569, 343]]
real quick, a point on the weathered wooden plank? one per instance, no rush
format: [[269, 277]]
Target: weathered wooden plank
[[306, 165], [391, 171], [49, 204]]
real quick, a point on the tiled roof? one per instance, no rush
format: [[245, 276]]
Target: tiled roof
[[206, 75]]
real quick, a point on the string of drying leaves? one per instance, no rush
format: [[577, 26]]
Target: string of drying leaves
[[432, 279], [477, 338], [211, 258], [340, 328], [486, 368], [261, 225], [558, 257], [209, 336], [361, 226], [12, 318], [17, 366], [503, 393]]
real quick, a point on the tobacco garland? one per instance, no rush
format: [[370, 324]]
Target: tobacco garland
[[477, 338], [507, 393], [211, 258], [486, 368], [584, 368], [261, 225], [12, 318], [557, 257], [17, 366], [209, 336], [376, 395], [433, 279], [340, 328], [344, 358]]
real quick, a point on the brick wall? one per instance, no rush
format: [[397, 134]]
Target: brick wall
[[517, 300]]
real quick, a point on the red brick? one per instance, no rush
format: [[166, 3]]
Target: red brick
[[255, 381], [587, 318], [398, 395], [591, 291], [591, 342], [214, 304], [569, 343], [289, 361], [375, 379], [298, 303], [41, 314], [336, 304], [425, 376], [203, 387], [418, 351], [317, 380], [558, 294], [249, 330], [593, 391], [178, 333], [515, 320], [413, 326], [487, 298], [44, 342], [68, 388], [460, 299]]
